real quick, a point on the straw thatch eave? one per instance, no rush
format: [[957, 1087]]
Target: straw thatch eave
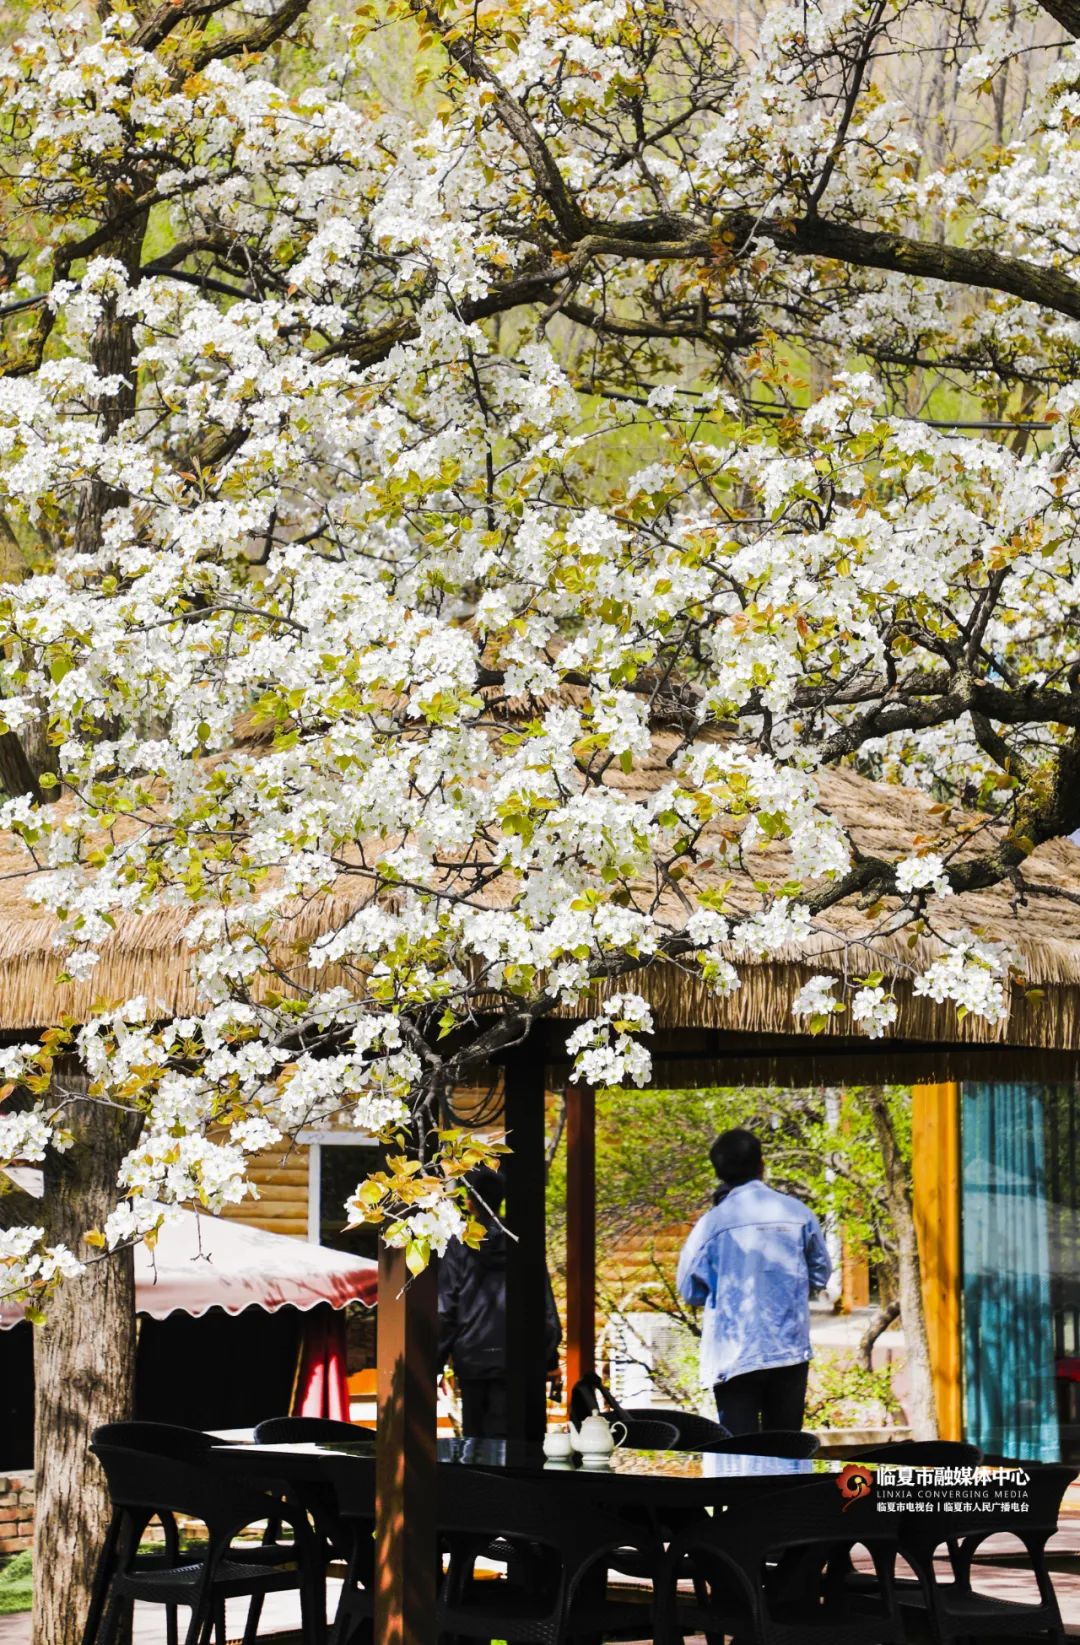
[[148, 954]]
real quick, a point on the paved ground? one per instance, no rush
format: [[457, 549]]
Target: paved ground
[[281, 1613]]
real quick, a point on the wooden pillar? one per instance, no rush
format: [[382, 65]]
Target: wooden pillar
[[405, 1456], [580, 1233], [854, 1278], [935, 1144], [526, 1258]]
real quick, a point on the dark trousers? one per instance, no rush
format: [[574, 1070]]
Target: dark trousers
[[483, 1407], [763, 1400]]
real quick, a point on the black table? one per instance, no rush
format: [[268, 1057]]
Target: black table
[[669, 1490], [659, 1481], [650, 1480]]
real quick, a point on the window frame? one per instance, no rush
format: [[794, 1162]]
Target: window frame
[[315, 1142]]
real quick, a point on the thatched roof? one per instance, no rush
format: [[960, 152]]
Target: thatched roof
[[148, 955]]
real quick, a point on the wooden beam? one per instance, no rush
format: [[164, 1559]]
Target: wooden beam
[[526, 1258], [687, 1058], [580, 1233], [935, 1145], [405, 1455]]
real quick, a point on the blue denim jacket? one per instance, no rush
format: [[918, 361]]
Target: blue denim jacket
[[751, 1261]]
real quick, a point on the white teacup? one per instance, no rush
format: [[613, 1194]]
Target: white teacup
[[558, 1446]]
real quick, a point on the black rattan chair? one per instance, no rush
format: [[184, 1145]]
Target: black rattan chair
[[954, 1610], [643, 1434], [914, 1453], [694, 1432], [348, 1540], [154, 1471], [763, 1572], [565, 1555], [166, 1439], [308, 1431], [794, 1443], [351, 1532]]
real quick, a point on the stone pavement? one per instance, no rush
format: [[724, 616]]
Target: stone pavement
[[281, 1612]]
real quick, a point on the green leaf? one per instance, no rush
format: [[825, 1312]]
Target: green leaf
[[417, 1255]]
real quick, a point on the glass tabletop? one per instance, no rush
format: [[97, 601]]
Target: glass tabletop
[[663, 1481], [524, 1458], [518, 1457]]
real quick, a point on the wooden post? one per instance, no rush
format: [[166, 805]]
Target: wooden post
[[405, 1456], [935, 1148], [855, 1278], [526, 1257], [580, 1233]]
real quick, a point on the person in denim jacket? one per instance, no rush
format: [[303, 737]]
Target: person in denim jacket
[[751, 1263]]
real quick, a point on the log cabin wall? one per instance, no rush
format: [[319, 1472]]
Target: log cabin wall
[[281, 1176]]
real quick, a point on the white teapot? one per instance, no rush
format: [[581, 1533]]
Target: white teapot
[[595, 1439]]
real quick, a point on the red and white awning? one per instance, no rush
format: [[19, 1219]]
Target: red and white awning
[[202, 1262]]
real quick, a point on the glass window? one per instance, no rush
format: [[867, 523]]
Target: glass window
[[334, 1171], [341, 1165]]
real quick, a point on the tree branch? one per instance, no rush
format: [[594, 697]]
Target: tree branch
[[876, 1328], [542, 162], [1065, 12], [674, 238], [255, 39], [157, 27]]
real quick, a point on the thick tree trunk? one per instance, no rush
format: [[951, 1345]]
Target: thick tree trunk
[[923, 1403], [84, 1373], [84, 1356]]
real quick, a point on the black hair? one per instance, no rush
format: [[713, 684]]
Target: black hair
[[488, 1189], [736, 1157]]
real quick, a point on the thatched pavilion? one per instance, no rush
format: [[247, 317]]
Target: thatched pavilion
[[748, 1037]]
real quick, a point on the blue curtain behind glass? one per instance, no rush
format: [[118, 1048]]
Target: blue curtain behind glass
[[1008, 1328]]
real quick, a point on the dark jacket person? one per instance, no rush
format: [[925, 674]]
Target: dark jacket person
[[472, 1316]]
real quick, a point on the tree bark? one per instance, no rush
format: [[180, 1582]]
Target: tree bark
[[923, 1404], [84, 1356], [876, 1328], [1065, 12], [84, 1372]]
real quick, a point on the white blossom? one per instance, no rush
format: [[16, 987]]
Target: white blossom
[[874, 1010], [817, 998]]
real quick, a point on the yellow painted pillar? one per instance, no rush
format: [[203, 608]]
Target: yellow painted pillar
[[935, 1140]]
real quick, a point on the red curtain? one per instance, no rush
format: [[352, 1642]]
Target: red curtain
[[321, 1386]]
